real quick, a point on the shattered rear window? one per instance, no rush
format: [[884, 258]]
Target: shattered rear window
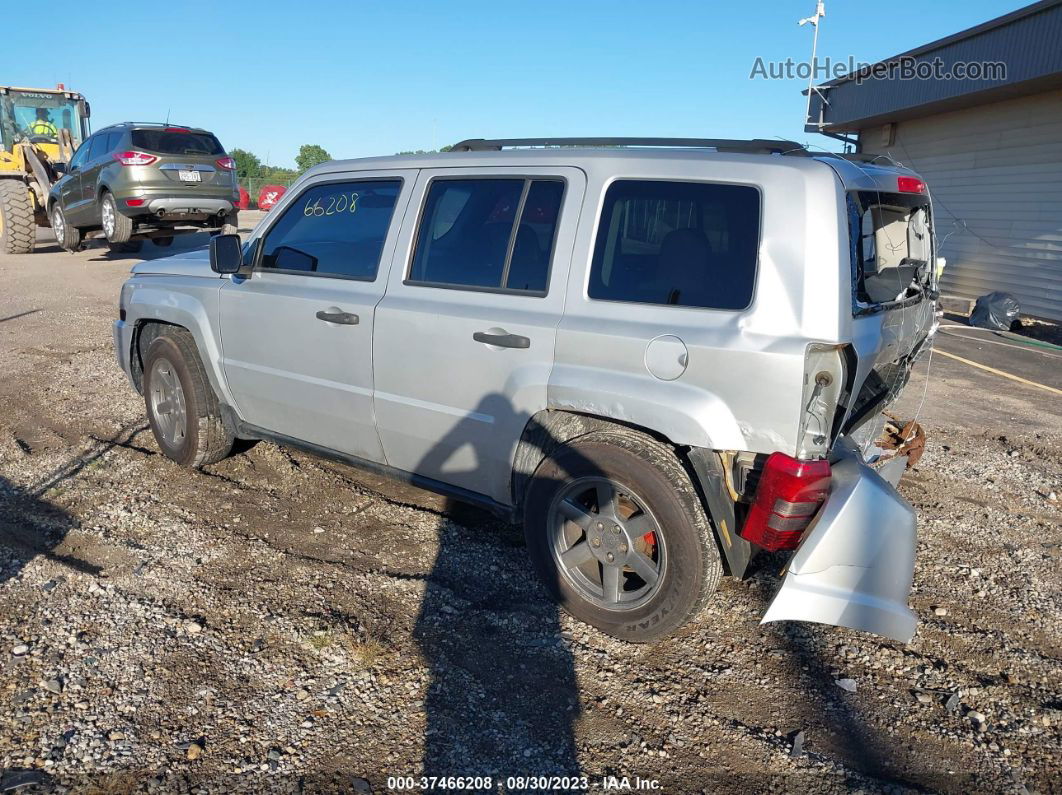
[[891, 246]]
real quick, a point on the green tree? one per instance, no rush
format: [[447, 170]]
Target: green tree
[[424, 151], [311, 155], [248, 166]]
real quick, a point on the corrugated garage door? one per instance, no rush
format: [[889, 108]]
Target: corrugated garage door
[[995, 173]]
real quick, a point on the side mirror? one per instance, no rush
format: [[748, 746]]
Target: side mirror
[[226, 254], [60, 168]]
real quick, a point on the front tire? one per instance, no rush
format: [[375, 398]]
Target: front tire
[[117, 227], [18, 230], [618, 534], [182, 409], [68, 237]]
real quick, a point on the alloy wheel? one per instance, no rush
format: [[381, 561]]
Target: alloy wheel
[[58, 224], [606, 543], [107, 212], [167, 402]]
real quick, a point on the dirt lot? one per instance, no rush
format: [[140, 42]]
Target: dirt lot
[[281, 623]]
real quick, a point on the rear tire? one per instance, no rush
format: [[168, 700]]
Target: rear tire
[[162, 242], [667, 559], [182, 409], [68, 237], [117, 227], [18, 229]]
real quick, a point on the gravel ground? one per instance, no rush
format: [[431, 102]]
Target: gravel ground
[[280, 623]]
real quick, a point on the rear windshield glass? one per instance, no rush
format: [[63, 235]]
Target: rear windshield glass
[[168, 142], [891, 246], [680, 243]]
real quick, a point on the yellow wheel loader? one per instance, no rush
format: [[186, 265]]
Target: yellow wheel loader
[[39, 130]]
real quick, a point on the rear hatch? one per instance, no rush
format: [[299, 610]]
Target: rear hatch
[[855, 562], [190, 161], [894, 289]]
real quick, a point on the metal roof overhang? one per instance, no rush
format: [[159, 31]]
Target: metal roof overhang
[[1027, 41]]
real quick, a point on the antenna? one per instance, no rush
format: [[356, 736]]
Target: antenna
[[820, 12], [167, 117]]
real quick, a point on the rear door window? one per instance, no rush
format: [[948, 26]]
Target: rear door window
[[174, 141], [112, 141], [334, 229], [98, 144], [677, 243], [81, 156], [487, 233]]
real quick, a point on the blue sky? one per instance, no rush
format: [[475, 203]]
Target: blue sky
[[375, 78]]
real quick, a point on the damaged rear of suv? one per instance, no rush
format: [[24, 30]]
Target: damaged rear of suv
[[855, 551], [659, 356]]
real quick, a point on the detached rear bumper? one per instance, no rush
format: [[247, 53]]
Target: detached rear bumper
[[855, 565]]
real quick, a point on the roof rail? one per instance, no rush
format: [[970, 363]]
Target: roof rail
[[755, 145], [150, 124]]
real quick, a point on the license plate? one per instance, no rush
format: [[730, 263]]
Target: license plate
[[190, 176]]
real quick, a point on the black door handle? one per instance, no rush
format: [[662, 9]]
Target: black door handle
[[502, 340], [343, 318]]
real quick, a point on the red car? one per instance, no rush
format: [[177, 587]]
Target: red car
[[269, 196]]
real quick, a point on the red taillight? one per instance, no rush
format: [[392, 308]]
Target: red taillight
[[910, 185], [789, 494], [135, 158], [135, 202], [176, 129], [226, 163]]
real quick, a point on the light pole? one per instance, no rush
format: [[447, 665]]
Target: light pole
[[820, 12]]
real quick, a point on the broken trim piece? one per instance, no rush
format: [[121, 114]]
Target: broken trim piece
[[715, 487]]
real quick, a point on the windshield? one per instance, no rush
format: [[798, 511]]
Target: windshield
[[892, 246], [38, 117]]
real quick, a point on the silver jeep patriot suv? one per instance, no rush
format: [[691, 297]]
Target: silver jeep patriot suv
[[660, 356]]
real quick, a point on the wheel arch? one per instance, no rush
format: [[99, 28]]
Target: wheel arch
[[146, 329]]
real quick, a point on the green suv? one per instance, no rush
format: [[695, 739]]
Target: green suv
[[132, 182]]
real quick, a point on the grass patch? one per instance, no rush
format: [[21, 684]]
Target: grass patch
[[321, 639], [366, 654]]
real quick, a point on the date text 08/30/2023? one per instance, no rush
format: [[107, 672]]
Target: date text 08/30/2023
[[522, 783]]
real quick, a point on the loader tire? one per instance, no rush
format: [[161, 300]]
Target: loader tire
[[18, 228]]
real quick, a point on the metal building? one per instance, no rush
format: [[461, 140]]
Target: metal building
[[989, 148]]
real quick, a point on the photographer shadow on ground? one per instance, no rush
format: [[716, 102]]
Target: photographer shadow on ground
[[503, 694], [30, 527]]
